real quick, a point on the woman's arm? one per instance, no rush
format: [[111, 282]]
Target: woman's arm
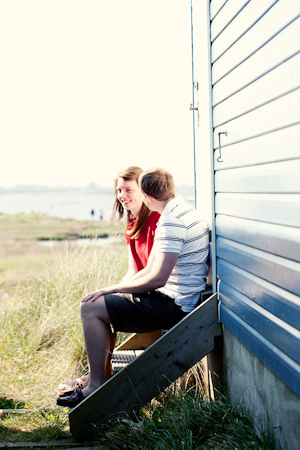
[[132, 270], [146, 269], [155, 278]]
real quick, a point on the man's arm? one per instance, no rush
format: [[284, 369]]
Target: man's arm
[[146, 282]]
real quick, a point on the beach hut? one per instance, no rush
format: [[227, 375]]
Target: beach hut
[[246, 107], [246, 115]]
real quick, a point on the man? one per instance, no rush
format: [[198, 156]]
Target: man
[[156, 297]]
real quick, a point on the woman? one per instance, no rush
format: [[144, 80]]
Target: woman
[[139, 235], [141, 222]]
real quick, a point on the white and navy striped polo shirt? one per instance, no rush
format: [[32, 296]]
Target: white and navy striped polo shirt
[[181, 230]]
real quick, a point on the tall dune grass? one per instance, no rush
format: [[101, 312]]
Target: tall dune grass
[[41, 343], [41, 339]]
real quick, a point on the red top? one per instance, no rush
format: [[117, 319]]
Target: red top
[[141, 246]]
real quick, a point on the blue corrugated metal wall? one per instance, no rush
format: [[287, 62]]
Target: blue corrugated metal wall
[[255, 53]]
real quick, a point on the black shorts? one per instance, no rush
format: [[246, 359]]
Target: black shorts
[[140, 313]]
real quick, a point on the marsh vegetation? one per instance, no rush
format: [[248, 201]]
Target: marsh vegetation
[[41, 344]]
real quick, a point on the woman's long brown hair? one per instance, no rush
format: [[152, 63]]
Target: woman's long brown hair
[[130, 173]]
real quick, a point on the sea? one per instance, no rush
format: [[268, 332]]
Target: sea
[[69, 205], [78, 205]]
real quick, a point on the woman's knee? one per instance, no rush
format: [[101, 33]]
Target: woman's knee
[[85, 308], [94, 309]]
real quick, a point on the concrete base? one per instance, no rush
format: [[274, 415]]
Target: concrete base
[[265, 396]]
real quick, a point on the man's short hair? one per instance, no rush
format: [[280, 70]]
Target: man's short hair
[[158, 183]]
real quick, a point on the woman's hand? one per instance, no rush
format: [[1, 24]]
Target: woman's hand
[[92, 296]]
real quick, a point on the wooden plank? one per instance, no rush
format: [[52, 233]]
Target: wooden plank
[[280, 271], [215, 7], [61, 443], [283, 366], [139, 341], [265, 31], [241, 73], [18, 411], [277, 146], [280, 209], [51, 445], [278, 177], [278, 82], [277, 331], [247, 18], [225, 16], [158, 366], [276, 239], [275, 115], [278, 301]]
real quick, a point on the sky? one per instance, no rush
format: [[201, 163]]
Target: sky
[[88, 87]]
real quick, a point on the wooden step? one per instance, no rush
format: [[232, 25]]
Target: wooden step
[[151, 372]]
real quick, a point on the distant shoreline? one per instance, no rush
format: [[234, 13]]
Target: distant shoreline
[[91, 189], [56, 190], [91, 203]]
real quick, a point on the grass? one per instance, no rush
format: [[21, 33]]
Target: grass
[[43, 425], [21, 255], [42, 227], [187, 420], [41, 344], [41, 335], [41, 339]]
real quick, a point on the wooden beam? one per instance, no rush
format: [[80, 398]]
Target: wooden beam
[[18, 411], [139, 341], [68, 443], [156, 368]]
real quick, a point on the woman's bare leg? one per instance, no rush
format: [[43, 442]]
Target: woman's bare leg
[[112, 343], [98, 341]]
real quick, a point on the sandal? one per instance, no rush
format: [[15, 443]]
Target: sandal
[[70, 390], [70, 385]]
